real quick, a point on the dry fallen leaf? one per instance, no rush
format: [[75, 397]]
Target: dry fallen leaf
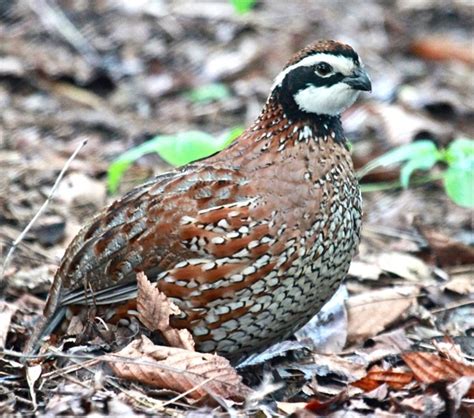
[[180, 370], [446, 250], [327, 330], [404, 265], [154, 311], [430, 368], [438, 48], [426, 405], [372, 312], [289, 408], [377, 376], [351, 369]]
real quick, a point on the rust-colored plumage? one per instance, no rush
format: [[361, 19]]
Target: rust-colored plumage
[[249, 243]]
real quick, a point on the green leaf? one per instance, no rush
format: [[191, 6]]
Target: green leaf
[[460, 152], [209, 93], [243, 6], [418, 150], [423, 162], [459, 177], [177, 150], [227, 138], [459, 185]]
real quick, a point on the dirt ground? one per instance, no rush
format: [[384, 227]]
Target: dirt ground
[[397, 340]]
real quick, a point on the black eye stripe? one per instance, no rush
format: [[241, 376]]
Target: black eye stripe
[[302, 77]]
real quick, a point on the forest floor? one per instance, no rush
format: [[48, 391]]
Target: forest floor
[[397, 339]]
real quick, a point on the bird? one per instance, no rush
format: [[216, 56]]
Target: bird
[[249, 243]]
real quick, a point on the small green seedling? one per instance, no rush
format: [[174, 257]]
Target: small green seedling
[[177, 150], [243, 6], [458, 177], [209, 93]]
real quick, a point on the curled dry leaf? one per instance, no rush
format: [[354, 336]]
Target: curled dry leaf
[[430, 368], [154, 311], [180, 370], [372, 312]]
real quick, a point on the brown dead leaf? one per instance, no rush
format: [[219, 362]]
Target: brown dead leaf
[[446, 250], [6, 312], [442, 49], [323, 408], [154, 311], [377, 376], [178, 370], [372, 312], [430, 368]]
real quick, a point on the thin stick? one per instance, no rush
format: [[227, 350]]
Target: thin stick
[[38, 214]]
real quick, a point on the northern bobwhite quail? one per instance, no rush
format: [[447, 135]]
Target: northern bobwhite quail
[[249, 243]]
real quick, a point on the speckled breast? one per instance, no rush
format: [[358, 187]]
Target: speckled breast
[[294, 273]]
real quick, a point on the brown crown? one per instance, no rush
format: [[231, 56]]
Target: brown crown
[[326, 46]]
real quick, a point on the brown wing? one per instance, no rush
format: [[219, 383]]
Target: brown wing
[[143, 231]]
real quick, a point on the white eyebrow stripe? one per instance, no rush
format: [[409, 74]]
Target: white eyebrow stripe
[[341, 63]]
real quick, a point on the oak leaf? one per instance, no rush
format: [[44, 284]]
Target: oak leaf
[[197, 374]]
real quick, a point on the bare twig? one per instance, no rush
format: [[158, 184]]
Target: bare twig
[[38, 214]]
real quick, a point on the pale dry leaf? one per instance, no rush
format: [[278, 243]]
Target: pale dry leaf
[[459, 389], [351, 369], [290, 408], [386, 344], [78, 189], [154, 311], [401, 125], [180, 370], [404, 265], [327, 330], [6, 312], [364, 270], [462, 285], [372, 312], [426, 405]]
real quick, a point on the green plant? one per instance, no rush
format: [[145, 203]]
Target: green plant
[[208, 93], [243, 6], [458, 177], [177, 150]]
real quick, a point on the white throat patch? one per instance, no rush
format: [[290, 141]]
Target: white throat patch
[[332, 100]]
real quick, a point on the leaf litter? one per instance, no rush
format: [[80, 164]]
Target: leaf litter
[[398, 341]]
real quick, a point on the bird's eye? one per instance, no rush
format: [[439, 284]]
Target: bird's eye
[[323, 69]]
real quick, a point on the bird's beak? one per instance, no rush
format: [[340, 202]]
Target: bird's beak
[[359, 80]]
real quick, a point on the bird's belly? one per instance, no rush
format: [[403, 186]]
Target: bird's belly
[[282, 301]]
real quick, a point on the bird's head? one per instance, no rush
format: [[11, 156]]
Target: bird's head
[[324, 78]]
